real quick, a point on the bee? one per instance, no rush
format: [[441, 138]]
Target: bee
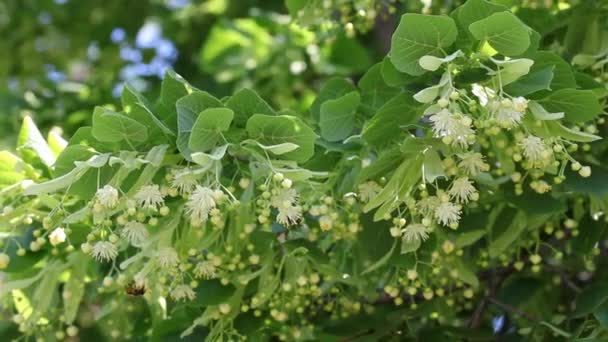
[[135, 290]]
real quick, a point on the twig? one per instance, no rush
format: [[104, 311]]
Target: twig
[[513, 310]]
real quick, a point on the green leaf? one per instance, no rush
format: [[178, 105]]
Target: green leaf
[[246, 103], [591, 298], [374, 91], [388, 160], [31, 143], [499, 244], [172, 89], [504, 32], [188, 109], [137, 107], [469, 238], [466, 274], [532, 82], [594, 185], [109, 126], [337, 118], [470, 12], [346, 55], [577, 105], [591, 232], [588, 82], [275, 130], [601, 314], [536, 204], [207, 129], [294, 6], [11, 169], [563, 77], [382, 261], [393, 77], [331, 89], [212, 292], [419, 35], [390, 120]]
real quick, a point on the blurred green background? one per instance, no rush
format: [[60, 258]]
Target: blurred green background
[[60, 58]]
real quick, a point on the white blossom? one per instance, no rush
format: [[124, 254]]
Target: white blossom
[[508, 117], [462, 190], [181, 292], [205, 270], [200, 203], [455, 127], [284, 197], [57, 236], [167, 257], [368, 190], [289, 215], [415, 232], [135, 232], [536, 151], [427, 205], [149, 196], [184, 180], [509, 113], [448, 213], [520, 104], [107, 197], [104, 251], [472, 163]]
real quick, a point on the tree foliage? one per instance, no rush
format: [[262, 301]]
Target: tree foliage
[[456, 189]]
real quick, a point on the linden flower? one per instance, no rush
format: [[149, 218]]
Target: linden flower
[[107, 197], [184, 181], [167, 257], [448, 213], [536, 151], [443, 122], [181, 292], [427, 205], [462, 190], [104, 251], [520, 104], [205, 270], [472, 163], [508, 117], [369, 190], [289, 215], [57, 236], [326, 223], [283, 196], [200, 204], [149, 196], [135, 232], [415, 232], [455, 128]]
